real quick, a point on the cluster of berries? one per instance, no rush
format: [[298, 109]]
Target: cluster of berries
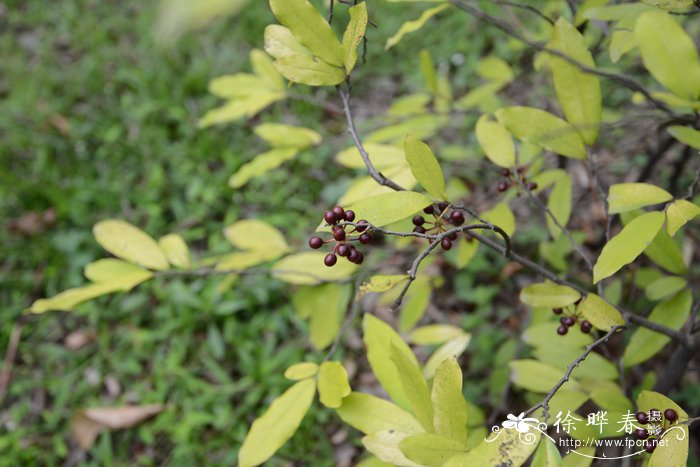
[[439, 223], [569, 321], [342, 246], [505, 183], [654, 415]]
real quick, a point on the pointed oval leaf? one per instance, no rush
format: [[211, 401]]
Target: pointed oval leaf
[[686, 135], [425, 167], [414, 386], [69, 299], [308, 268], [435, 334], [627, 245], [301, 371], [624, 197], [501, 216], [502, 448], [254, 234], [309, 70], [536, 376], [546, 455], [265, 70], [382, 156], [385, 445], [664, 287], [332, 384], [679, 213], [559, 204], [370, 414], [548, 295], [280, 135], [449, 406], [600, 313], [354, 32], [280, 42], [262, 164], [176, 250], [388, 208], [675, 451], [117, 270], [543, 129], [279, 423], [429, 449], [379, 283], [496, 142], [130, 243], [413, 26], [310, 28], [452, 348]]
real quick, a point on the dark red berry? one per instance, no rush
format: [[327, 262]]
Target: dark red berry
[[330, 259], [567, 321], [562, 330], [315, 242], [642, 417], [532, 186], [418, 220], [457, 218], [360, 258], [670, 415], [557, 311], [502, 186], [446, 244], [361, 227], [586, 327], [419, 229], [343, 250], [429, 210], [650, 445], [349, 215], [641, 433], [330, 217], [339, 212], [366, 238], [442, 206], [505, 172], [354, 256], [339, 234], [452, 236]]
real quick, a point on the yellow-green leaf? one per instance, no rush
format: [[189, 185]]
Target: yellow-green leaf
[[239, 108], [332, 384], [449, 406], [559, 204], [646, 343], [668, 52], [310, 28], [370, 414], [382, 156], [415, 303], [413, 26], [309, 70], [609, 396], [546, 455], [324, 305], [429, 449], [279, 423], [254, 234], [354, 32], [132, 244], [176, 250], [425, 167], [627, 245], [432, 334], [280, 42], [594, 366], [301, 371], [385, 445], [245, 259], [675, 451], [308, 268], [501, 216], [496, 142], [452, 348], [686, 135], [679, 213], [240, 85], [670, 4], [536, 376], [495, 69], [379, 283], [578, 92], [280, 135], [414, 386], [624, 197], [117, 271], [600, 313], [543, 129], [540, 335], [548, 295], [262, 164], [388, 208], [664, 287], [265, 70], [503, 448], [69, 299]]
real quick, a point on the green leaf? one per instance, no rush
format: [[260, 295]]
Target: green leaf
[[494, 69], [449, 406], [414, 386], [546, 455], [379, 283], [624, 197], [381, 156], [354, 32], [132, 244], [301, 371], [627, 245], [686, 135], [503, 448], [609, 396], [665, 252], [240, 85], [540, 335], [670, 4], [176, 250], [452, 348], [679, 213], [370, 414], [496, 142], [385, 445], [262, 164], [254, 234], [391, 207], [429, 449], [645, 343], [435, 334], [415, 304], [309, 70], [279, 135], [310, 28], [501, 216], [367, 187], [600, 313], [379, 338], [308, 268], [581, 458], [543, 129], [324, 305], [425, 167], [265, 70], [279, 423], [578, 92], [332, 384], [116, 271], [675, 451], [69, 299], [245, 259], [239, 108], [559, 204], [548, 295], [594, 366], [664, 287], [413, 26], [280, 42], [668, 53], [536, 376]]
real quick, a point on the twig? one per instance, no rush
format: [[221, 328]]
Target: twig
[[644, 322], [9, 361], [598, 183], [529, 8], [544, 403], [207, 272], [691, 188], [330, 12]]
